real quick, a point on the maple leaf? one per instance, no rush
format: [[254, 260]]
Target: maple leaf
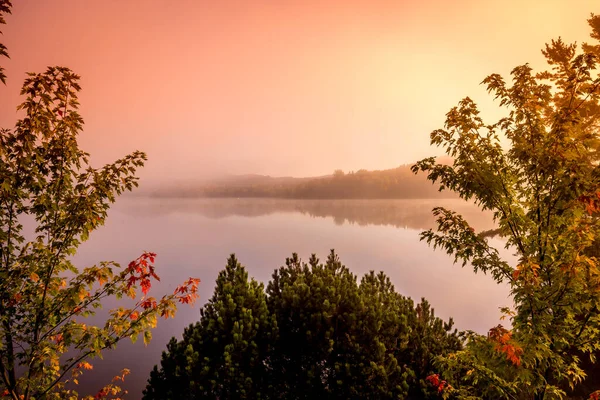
[[148, 303], [85, 365], [102, 393], [433, 379], [146, 285], [58, 338]]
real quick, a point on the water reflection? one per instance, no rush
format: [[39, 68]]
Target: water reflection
[[400, 213], [193, 237]]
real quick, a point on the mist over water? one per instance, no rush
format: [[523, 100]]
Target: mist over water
[[266, 102], [193, 237]]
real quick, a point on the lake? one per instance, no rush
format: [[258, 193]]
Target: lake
[[194, 237]]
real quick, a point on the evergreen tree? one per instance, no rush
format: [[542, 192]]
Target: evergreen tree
[[383, 332], [223, 355], [316, 335], [341, 340], [316, 310], [171, 381], [430, 337]]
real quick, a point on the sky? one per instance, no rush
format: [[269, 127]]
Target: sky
[[276, 87]]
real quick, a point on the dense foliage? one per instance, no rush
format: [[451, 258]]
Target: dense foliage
[[47, 184], [5, 6], [314, 333], [538, 170]]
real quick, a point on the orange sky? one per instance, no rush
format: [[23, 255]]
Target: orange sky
[[280, 87]]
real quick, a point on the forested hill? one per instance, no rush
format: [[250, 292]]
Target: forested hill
[[396, 183]]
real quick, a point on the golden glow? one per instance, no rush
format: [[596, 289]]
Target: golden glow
[[277, 87]]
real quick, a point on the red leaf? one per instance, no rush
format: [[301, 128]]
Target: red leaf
[[433, 379], [148, 303], [146, 285]]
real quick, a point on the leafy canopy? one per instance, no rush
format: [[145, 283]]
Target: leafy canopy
[[537, 170], [44, 299], [5, 6]]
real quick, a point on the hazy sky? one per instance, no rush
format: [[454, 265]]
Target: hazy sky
[[279, 87]]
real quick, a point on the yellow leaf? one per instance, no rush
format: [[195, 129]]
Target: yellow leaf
[[147, 337], [152, 321]]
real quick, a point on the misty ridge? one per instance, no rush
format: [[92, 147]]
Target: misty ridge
[[395, 183]]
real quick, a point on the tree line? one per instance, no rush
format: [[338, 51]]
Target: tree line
[[314, 332], [396, 183]]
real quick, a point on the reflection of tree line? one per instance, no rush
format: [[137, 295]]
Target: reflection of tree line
[[411, 214], [406, 214]]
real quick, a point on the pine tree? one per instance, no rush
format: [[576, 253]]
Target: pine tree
[[317, 334], [429, 337], [223, 355], [383, 332], [315, 307], [337, 340]]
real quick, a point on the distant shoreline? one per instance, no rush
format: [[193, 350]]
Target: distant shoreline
[[396, 183], [180, 196]]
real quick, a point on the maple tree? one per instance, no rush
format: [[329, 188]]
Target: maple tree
[[538, 170], [5, 6], [45, 343]]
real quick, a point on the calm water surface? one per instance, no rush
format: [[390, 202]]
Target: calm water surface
[[194, 237]]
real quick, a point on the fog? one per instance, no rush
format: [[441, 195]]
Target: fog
[[294, 88]]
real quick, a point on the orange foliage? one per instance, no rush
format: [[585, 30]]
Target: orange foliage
[[504, 344], [85, 365], [591, 203]]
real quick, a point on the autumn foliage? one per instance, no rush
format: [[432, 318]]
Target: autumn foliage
[[45, 342], [537, 169], [502, 339], [438, 383]]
